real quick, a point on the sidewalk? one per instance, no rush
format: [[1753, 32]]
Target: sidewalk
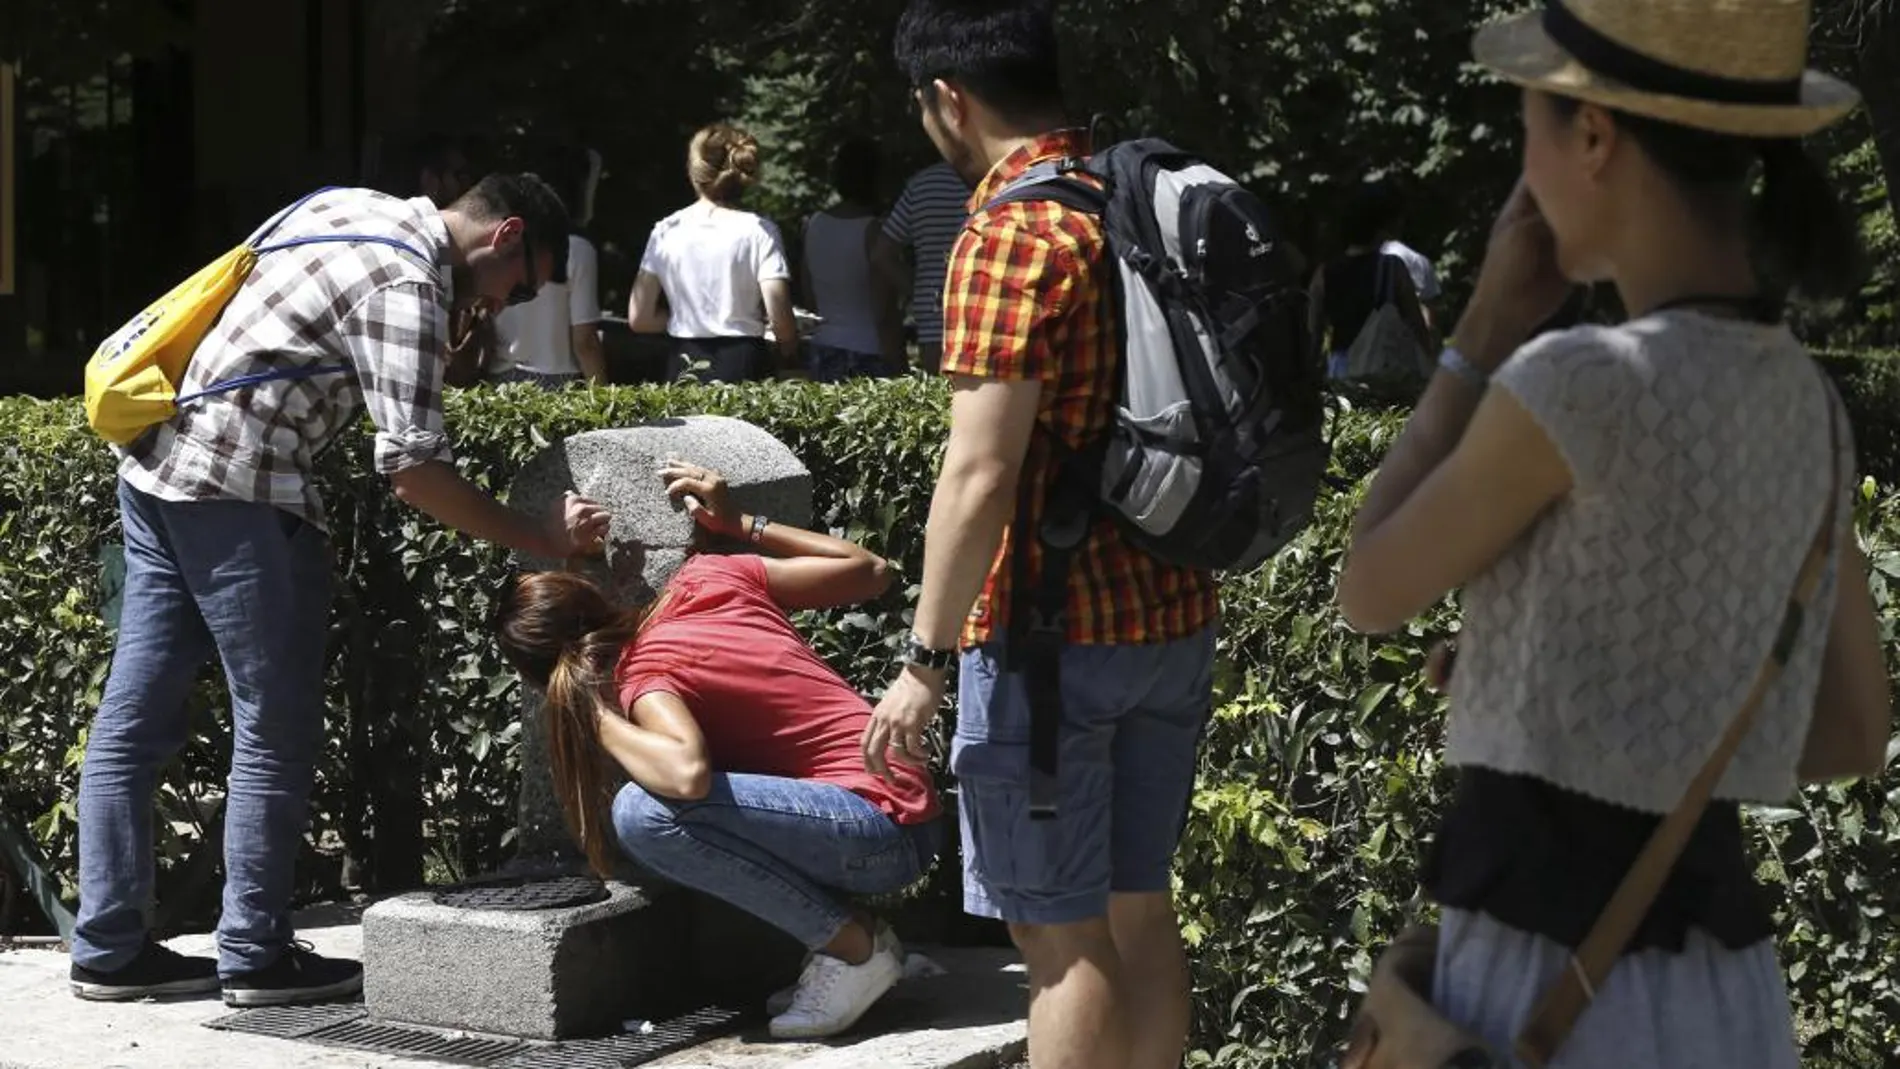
[[969, 1018]]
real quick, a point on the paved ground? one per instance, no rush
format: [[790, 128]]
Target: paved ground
[[968, 1018]]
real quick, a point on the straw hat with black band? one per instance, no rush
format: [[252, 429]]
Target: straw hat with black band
[[1730, 66]]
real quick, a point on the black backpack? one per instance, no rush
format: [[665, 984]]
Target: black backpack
[[1215, 454]]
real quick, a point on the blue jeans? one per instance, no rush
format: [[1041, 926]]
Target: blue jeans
[[1132, 718], [250, 583], [780, 849]]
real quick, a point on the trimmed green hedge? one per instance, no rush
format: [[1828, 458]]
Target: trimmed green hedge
[[1870, 387], [1320, 778]]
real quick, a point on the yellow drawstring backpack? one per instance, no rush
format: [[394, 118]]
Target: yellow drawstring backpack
[[132, 378]]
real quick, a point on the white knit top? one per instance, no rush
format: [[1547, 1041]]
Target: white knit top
[[1609, 647]]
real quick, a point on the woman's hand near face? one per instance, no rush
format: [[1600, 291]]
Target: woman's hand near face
[[1519, 287]]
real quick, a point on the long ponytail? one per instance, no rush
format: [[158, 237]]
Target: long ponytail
[[563, 635], [1807, 236]]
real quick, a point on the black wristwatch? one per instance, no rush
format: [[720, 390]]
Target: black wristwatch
[[914, 652]]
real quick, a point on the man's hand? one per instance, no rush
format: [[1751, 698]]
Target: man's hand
[[577, 526], [901, 719]]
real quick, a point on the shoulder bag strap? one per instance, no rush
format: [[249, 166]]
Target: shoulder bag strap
[[1590, 965]]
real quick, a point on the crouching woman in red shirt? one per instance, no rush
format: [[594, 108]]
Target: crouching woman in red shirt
[[742, 744]]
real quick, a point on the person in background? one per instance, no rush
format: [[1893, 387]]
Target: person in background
[[912, 251], [1373, 271], [443, 171], [860, 333], [1382, 207], [739, 740], [438, 166], [720, 270], [1034, 373], [1624, 511], [227, 555], [554, 340]]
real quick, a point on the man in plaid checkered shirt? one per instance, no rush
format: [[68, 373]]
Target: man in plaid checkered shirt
[[226, 553], [1035, 369]]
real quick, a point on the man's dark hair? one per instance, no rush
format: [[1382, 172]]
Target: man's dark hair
[[526, 196], [855, 169], [1376, 208], [1003, 52]]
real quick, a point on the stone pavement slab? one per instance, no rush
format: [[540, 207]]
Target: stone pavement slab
[[42, 1026], [969, 1018]]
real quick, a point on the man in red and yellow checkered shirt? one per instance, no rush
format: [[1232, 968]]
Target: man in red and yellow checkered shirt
[[1029, 347]]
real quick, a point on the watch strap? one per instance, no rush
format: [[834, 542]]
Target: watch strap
[[915, 652]]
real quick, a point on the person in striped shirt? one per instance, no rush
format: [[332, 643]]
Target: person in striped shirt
[[1035, 375], [914, 245]]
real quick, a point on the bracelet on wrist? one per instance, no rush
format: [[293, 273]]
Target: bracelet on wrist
[[757, 531], [1460, 365]]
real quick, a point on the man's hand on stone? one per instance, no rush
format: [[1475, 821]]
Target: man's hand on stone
[[705, 495], [578, 527]]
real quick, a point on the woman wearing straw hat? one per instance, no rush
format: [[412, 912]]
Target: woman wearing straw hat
[[1627, 510]]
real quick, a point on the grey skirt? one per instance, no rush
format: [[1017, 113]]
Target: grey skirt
[[1706, 1008]]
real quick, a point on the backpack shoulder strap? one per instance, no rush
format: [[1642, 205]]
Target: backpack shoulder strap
[[327, 239], [1051, 181], [277, 220]]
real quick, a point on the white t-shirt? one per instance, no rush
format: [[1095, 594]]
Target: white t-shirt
[[539, 336], [1424, 278], [710, 261]]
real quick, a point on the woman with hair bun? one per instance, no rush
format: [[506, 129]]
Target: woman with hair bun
[[720, 269]]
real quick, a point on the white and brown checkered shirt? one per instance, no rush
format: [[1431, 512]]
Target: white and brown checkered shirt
[[373, 309]]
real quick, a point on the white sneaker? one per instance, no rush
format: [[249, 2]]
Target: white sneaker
[[832, 995], [781, 1000]]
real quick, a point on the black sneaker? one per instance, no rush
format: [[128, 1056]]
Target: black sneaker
[[156, 972], [300, 976]]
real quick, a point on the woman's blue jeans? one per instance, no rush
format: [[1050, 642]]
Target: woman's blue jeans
[[783, 850]]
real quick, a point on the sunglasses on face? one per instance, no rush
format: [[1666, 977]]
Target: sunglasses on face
[[526, 289]]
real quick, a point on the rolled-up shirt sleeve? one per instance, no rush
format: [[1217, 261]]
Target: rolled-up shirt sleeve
[[395, 340]]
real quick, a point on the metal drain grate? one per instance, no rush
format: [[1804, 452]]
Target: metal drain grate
[[347, 1025], [384, 1037], [524, 894], [288, 1022], [624, 1052]]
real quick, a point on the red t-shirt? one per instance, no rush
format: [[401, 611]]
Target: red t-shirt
[[766, 702]]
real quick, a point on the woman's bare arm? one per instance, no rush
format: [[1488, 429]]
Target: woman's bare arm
[[803, 569], [659, 745], [778, 309], [1853, 711], [644, 314]]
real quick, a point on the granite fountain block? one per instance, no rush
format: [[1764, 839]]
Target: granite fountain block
[[649, 947], [544, 974]]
